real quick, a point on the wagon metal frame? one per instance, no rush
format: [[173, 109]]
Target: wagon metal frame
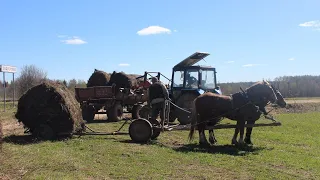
[[142, 130]]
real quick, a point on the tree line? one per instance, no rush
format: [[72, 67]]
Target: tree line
[[289, 86]]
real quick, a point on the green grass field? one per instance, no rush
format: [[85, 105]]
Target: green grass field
[[290, 151]]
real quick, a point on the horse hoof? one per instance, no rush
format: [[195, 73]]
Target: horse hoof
[[241, 142], [234, 142], [204, 144], [248, 141], [213, 141]]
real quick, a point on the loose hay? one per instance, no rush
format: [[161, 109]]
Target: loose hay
[[98, 78], [50, 103]]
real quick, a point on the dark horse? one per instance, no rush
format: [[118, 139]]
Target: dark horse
[[245, 106], [256, 114]]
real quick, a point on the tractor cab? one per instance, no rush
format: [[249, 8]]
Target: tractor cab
[[186, 77], [187, 83]]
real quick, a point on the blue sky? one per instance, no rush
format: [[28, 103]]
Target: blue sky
[[247, 40]]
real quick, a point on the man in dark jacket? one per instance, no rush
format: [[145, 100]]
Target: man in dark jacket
[[158, 93]]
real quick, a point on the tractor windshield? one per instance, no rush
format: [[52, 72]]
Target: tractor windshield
[[192, 78], [207, 79]]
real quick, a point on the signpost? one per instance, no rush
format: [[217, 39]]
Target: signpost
[[7, 69]]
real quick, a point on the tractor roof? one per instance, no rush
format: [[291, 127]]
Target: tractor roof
[[193, 59]]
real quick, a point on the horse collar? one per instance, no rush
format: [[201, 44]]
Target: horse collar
[[245, 95]]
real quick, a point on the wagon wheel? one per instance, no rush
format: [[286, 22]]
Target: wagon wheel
[[156, 131], [88, 113], [135, 113], [185, 102], [115, 113], [140, 130]]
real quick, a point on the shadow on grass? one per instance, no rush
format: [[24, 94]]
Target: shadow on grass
[[234, 150], [29, 139]]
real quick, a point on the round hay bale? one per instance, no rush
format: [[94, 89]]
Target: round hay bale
[[120, 79], [98, 78], [50, 110]]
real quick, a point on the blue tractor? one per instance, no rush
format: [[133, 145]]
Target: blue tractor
[[189, 81]]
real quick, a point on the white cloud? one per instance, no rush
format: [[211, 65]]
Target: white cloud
[[291, 59], [175, 30], [251, 65], [75, 40], [311, 24], [124, 64], [230, 62], [151, 30]]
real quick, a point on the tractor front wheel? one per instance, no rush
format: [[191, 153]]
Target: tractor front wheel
[[185, 101]]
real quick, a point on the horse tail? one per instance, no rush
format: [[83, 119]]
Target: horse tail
[[194, 119]]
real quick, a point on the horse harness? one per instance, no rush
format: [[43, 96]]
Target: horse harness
[[240, 99]]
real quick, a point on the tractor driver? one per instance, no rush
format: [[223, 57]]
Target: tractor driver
[[158, 93], [190, 80]]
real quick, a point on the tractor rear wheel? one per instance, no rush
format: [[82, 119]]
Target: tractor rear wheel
[[88, 113], [185, 101]]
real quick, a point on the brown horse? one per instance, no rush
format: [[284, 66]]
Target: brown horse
[[209, 108], [253, 118]]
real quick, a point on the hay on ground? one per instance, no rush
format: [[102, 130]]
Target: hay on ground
[[98, 78], [52, 104]]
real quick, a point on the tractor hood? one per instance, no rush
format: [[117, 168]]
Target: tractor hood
[[191, 60]]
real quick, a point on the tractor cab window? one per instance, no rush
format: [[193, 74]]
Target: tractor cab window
[[207, 79], [178, 79], [192, 79]]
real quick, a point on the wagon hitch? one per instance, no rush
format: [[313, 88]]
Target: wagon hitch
[[117, 132]]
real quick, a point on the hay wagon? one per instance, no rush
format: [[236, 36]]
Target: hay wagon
[[106, 100]]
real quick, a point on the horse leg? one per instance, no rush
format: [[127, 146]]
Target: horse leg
[[212, 138], [247, 139], [202, 135], [234, 139], [241, 125]]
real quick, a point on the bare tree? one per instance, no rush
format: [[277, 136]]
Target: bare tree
[[30, 76]]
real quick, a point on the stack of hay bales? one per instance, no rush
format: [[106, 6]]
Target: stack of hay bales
[[50, 110], [98, 78]]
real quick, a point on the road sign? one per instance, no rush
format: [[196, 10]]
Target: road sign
[[8, 69]]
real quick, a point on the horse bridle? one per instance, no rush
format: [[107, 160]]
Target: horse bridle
[[245, 95]]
